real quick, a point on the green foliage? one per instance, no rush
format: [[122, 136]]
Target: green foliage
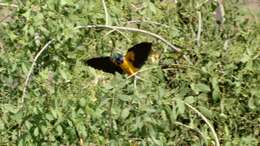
[[67, 103]]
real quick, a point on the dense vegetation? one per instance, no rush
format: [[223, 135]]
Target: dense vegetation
[[215, 75]]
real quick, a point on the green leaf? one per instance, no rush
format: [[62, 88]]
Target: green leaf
[[2, 125], [180, 106], [82, 102], [216, 91], [125, 113], [10, 108], [152, 7], [27, 14], [189, 99], [125, 98], [59, 130], [49, 117], [171, 114], [44, 130], [65, 75], [161, 92], [36, 132], [200, 87], [251, 103]]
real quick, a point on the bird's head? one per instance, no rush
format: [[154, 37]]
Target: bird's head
[[118, 58]]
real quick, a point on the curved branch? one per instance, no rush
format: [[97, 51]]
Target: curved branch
[[133, 30], [31, 69], [207, 122], [199, 28], [105, 9], [8, 5]]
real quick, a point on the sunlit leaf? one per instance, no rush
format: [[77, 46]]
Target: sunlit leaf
[[200, 87], [36, 131], [125, 112], [189, 99]]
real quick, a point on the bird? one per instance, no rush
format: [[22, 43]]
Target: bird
[[129, 63]]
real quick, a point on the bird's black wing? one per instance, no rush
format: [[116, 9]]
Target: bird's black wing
[[105, 64], [138, 54]]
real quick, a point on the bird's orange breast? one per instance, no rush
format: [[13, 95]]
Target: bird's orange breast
[[127, 67]]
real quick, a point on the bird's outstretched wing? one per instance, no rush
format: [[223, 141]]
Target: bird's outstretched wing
[[138, 54], [105, 64]]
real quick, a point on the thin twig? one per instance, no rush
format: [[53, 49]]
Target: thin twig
[[133, 30], [142, 70], [207, 122], [199, 28], [135, 80], [31, 69], [146, 21], [118, 32], [106, 13], [8, 5], [7, 16]]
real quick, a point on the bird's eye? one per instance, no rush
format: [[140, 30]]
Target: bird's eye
[[120, 60]]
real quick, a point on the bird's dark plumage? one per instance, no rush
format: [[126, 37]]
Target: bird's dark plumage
[[104, 63], [130, 63], [139, 53]]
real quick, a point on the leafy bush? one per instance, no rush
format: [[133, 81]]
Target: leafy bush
[[68, 103]]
